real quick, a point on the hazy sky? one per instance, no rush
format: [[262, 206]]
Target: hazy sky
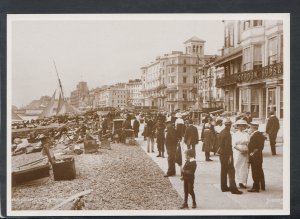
[[98, 52]]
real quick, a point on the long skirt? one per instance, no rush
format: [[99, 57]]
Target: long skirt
[[241, 166]]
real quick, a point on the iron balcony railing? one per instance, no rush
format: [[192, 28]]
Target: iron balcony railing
[[269, 71]]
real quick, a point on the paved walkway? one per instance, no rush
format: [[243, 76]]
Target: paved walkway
[[207, 182]]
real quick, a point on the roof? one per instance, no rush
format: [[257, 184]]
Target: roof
[[194, 39]]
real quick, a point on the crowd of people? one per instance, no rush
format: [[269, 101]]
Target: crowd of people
[[239, 144]]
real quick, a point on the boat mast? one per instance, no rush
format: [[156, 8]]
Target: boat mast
[[60, 85]]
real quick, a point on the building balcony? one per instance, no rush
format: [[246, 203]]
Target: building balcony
[[161, 87], [253, 32], [186, 99], [270, 71], [172, 99]]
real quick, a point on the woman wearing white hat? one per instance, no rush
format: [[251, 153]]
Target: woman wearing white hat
[[240, 142]]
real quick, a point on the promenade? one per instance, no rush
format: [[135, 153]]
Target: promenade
[[207, 181]]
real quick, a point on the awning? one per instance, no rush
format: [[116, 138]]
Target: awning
[[235, 53]]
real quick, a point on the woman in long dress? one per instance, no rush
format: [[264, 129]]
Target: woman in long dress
[[240, 153]]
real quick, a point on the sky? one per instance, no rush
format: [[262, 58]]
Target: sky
[[99, 52]]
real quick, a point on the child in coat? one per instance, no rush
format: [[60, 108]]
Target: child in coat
[[188, 176]]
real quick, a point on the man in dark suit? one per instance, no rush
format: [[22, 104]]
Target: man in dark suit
[[272, 130], [191, 137], [136, 127], [255, 148], [226, 160], [171, 146]]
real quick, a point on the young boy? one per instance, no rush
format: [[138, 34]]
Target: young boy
[[188, 176]]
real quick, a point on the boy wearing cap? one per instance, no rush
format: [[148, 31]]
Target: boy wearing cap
[[188, 176], [255, 148]]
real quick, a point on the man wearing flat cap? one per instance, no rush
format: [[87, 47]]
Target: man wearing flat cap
[[255, 148]]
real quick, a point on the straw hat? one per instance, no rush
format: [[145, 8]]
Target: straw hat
[[241, 122]]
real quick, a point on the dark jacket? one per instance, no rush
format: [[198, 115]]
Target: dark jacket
[[189, 169], [256, 146], [212, 128], [159, 130], [225, 142], [272, 125], [180, 129], [171, 140], [191, 136], [127, 124], [136, 125], [148, 131]]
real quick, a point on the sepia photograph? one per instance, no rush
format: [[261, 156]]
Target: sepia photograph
[[148, 114]]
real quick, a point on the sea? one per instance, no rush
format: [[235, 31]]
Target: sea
[[26, 117]]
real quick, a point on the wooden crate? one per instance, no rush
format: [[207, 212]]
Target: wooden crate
[[90, 146], [105, 144], [20, 177], [64, 169]]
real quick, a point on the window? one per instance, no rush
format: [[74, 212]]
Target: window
[[184, 106], [172, 80], [257, 57], [281, 48], [173, 61], [184, 61], [272, 48], [247, 59], [195, 79], [184, 69], [257, 23], [245, 100], [184, 94], [172, 69], [184, 79], [246, 25], [272, 99], [281, 102], [255, 103]]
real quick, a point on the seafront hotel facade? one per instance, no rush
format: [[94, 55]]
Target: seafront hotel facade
[[252, 58]]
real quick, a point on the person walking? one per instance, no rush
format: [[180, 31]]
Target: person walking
[[160, 137], [272, 130], [180, 127], [188, 176], [171, 146], [191, 137], [218, 128], [148, 133], [207, 138], [136, 127], [240, 153], [226, 160], [255, 148]]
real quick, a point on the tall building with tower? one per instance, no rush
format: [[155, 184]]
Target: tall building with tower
[[171, 81]]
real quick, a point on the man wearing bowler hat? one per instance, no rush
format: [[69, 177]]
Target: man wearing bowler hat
[[255, 148]]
